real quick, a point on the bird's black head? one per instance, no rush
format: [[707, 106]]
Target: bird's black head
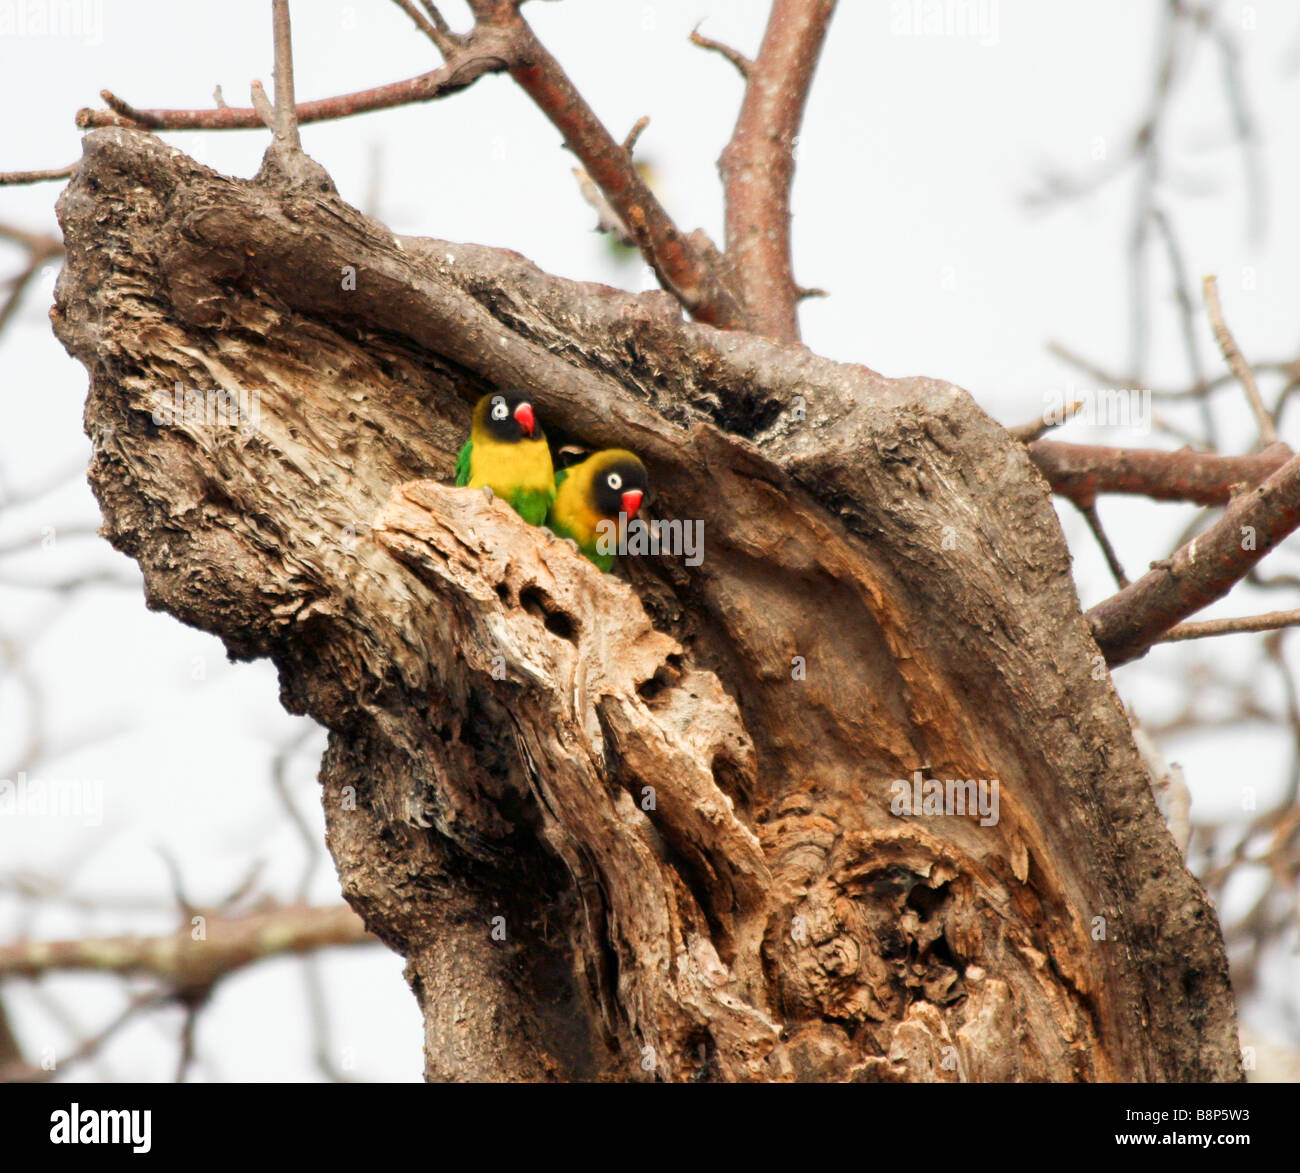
[[619, 482], [507, 416]]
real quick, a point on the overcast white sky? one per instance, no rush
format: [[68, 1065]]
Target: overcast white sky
[[910, 208]]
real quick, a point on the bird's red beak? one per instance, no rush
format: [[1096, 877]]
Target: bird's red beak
[[527, 421], [632, 501]]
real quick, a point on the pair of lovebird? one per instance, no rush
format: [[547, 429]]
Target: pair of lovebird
[[507, 453]]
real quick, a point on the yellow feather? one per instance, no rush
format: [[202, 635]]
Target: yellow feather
[[572, 503], [525, 466]]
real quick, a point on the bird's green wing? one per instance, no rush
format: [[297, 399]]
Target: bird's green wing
[[532, 505], [462, 464], [560, 474], [604, 562]]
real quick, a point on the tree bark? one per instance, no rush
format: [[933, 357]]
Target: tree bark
[[662, 846]]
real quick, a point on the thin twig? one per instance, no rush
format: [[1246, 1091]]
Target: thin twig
[[1288, 367], [432, 26], [126, 110], [279, 781], [1269, 621], [1243, 125], [41, 248], [186, 1055], [1187, 320], [738, 59], [318, 1011], [1104, 377], [1112, 559], [1027, 433], [262, 104], [88, 1049], [629, 143], [1236, 362], [439, 22], [17, 177]]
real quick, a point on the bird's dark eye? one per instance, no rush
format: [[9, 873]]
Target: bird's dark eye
[[499, 409], [614, 481]]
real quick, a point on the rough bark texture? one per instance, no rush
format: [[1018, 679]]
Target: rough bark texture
[[766, 916]]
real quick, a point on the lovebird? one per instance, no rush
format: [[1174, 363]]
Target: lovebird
[[507, 453], [598, 489]]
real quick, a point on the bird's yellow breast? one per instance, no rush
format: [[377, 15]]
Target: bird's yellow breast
[[525, 466], [572, 505]]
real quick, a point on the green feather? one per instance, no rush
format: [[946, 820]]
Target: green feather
[[531, 504], [462, 464], [602, 562]]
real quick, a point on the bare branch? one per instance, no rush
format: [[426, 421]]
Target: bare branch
[[1087, 366], [1186, 319], [186, 1055], [41, 247], [32, 241], [432, 26], [286, 125], [679, 265], [24, 1073], [1112, 559], [434, 15], [311, 842], [1081, 471], [1290, 368], [262, 104], [481, 54], [1243, 125], [1270, 621], [503, 41], [1240, 367], [230, 944], [126, 110], [1206, 568], [758, 164], [18, 177]]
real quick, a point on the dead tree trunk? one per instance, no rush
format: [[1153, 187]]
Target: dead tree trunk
[[678, 799]]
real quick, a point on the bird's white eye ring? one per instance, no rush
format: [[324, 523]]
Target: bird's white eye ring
[[614, 481], [499, 408]]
